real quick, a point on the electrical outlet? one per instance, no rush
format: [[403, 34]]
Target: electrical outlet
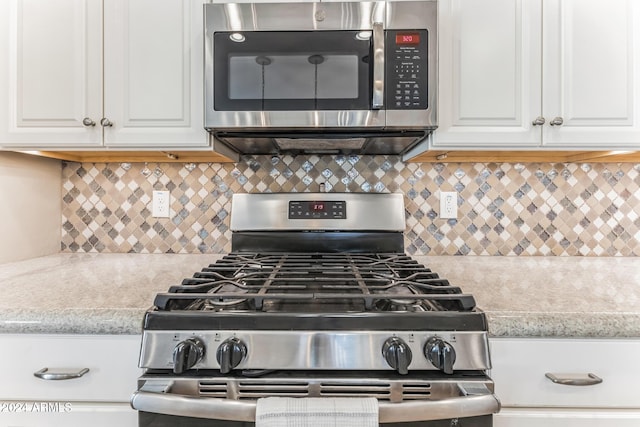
[[160, 204], [448, 204]]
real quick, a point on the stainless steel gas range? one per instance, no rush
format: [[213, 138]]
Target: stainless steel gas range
[[316, 299]]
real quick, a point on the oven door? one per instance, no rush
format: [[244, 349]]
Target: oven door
[[158, 420], [200, 401]]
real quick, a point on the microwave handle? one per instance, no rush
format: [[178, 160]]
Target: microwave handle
[[378, 66]]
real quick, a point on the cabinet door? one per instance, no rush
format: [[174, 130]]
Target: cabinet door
[[153, 93], [112, 361], [50, 72], [566, 418], [67, 414], [520, 367], [489, 74], [591, 73]]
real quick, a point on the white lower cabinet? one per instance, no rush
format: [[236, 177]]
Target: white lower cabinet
[[103, 371], [74, 415], [521, 371], [510, 417]]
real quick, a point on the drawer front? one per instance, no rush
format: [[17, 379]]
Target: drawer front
[[520, 367], [32, 414], [111, 359], [566, 418]]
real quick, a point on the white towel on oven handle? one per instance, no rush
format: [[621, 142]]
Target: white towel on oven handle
[[317, 412]]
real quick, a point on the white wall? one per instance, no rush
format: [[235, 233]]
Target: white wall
[[30, 206]]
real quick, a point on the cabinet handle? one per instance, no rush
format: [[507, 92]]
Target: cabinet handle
[[88, 122], [44, 374], [106, 122], [539, 121], [556, 121], [572, 379]]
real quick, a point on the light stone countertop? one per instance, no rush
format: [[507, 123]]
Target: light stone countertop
[[522, 296], [550, 296], [88, 293]]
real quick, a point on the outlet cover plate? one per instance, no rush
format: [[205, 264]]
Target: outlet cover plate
[[160, 204], [448, 204]]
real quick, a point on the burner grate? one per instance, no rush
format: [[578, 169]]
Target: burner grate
[[298, 282]]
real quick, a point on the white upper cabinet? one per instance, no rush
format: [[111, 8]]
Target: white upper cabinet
[[153, 73], [489, 73], [591, 74], [88, 73], [50, 72], [565, 65]]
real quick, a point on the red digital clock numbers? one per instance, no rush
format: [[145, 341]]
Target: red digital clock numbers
[[407, 38], [317, 207]]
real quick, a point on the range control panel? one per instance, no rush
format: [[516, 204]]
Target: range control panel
[[321, 209], [406, 69]]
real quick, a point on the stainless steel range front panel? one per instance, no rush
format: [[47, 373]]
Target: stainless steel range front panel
[[311, 350]]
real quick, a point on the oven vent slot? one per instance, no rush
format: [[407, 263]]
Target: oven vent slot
[[255, 390], [416, 391], [381, 391], [394, 391], [213, 389]]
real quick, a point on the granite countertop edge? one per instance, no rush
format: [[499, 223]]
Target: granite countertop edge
[[123, 321], [98, 321], [501, 324], [563, 325]]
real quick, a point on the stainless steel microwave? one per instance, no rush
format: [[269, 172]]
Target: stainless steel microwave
[[337, 77]]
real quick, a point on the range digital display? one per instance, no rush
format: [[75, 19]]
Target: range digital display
[[328, 209]]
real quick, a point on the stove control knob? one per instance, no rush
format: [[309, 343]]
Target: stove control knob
[[186, 354], [397, 354], [230, 354], [441, 354]]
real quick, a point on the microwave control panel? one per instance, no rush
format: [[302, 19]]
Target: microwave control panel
[[406, 69]]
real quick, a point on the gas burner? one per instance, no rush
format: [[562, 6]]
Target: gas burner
[[395, 302], [216, 302], [223, 303]]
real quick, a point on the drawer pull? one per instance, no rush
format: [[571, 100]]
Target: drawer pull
[[574, 379], [44, 374]]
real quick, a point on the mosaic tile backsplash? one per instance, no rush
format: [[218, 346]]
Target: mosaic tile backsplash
[[503, 209]]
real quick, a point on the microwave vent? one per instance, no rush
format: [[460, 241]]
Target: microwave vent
[[308, 144]]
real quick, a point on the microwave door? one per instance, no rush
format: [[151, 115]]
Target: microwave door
[[291, 79]]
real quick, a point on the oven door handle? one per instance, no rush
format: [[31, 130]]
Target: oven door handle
[[235, 410], [453, 407], [377, 101]]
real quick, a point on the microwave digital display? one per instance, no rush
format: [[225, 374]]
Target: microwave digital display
[[407, 38]]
